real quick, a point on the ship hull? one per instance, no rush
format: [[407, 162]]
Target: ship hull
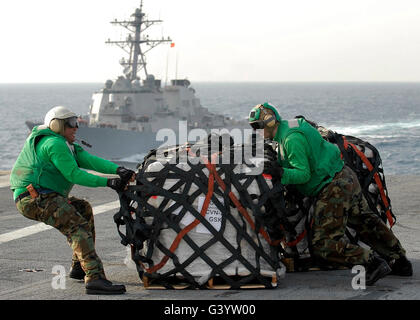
[[116, 144]]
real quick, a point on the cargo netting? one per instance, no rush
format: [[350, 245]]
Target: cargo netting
[[190, 221]]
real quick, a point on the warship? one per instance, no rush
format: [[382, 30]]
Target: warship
[[126, 114]]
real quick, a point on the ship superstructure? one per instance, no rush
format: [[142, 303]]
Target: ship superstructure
[[126, 114], [129, 103]]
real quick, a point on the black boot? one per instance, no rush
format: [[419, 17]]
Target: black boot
[[76, 271], [377, 268], [103, 286], [402, 267]]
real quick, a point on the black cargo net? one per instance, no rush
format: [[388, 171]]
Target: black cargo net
[[364, 159], [162, 212], [262, 218]]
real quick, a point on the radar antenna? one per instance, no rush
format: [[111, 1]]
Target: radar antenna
[[132, 45]]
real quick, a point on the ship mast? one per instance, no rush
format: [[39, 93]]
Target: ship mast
[[132, 44]]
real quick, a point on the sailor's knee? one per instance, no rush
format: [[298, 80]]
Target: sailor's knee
[[320, 249]]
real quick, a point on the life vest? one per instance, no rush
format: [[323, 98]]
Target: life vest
[[30, 169]]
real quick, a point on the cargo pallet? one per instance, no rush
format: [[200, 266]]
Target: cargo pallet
[[214, 283]]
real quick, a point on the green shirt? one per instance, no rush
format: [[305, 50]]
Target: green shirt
[[309, 161], [49, 162]]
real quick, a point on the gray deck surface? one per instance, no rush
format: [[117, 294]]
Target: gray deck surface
[[45, 249]]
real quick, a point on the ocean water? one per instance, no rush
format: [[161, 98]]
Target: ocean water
[[385, 114]]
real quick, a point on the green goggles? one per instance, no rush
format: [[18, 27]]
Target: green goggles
[[71, 122]]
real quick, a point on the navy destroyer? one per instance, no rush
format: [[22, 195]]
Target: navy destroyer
[[127, 113]]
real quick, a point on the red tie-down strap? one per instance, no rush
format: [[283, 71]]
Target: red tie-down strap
[[213, 175], [300, 237], [239, 206], [188, 228], [377, 180]]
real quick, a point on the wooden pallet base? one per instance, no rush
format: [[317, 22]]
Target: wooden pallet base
[[215, 283], [218, 283], [150, 285]]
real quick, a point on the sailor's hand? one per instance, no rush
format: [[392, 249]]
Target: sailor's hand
[[273, 168], [117, 184], [126, 174], [269, 153]]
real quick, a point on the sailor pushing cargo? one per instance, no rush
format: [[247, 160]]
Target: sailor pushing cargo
[[314, 167], [41, 180], [218, 221]]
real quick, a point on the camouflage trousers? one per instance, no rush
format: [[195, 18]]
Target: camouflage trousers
[[74, 219], [340, 204]]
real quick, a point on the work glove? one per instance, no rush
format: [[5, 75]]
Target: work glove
[[273, 168], [126, 174], [269, 153], [117, 184]]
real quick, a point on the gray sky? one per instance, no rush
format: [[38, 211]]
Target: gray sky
[[218, 40]]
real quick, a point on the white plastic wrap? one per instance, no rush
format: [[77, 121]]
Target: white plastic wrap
[[218, 252]]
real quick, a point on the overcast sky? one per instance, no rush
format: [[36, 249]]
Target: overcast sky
[[217, 40]]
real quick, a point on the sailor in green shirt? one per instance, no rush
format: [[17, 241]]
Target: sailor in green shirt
[[315, 168], [50, 162]]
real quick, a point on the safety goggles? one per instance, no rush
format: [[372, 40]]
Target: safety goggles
[[71, 122], [257, 125]]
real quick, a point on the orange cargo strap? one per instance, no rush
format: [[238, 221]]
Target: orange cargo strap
[[238, 205], [212, 176], [377, 180], [188, 228], [300, 237]]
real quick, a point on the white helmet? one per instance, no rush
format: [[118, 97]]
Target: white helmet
[[58, 112], [55, 119]]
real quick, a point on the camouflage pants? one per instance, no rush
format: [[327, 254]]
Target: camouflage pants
[[341, 204], [73, 218]]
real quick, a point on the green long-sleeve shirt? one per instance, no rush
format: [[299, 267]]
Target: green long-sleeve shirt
[[48, 149], [309, 161], [297, 149]]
